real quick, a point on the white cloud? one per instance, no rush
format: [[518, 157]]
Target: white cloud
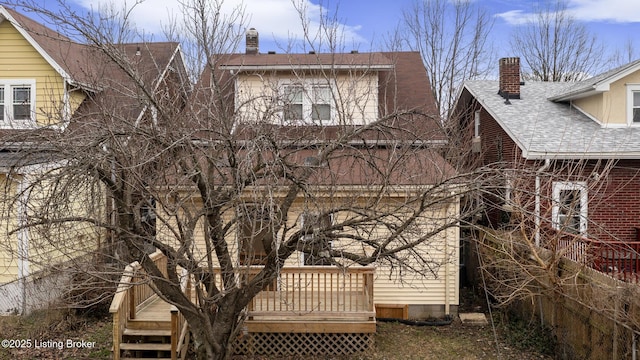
[[620, 11], [274, 19], [611, 10], [515, 17]]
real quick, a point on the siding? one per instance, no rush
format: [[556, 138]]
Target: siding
[[355, 95], [8, 243], [20, 60], [392, 286]]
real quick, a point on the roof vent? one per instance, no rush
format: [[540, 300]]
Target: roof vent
[[138, 51], [354, 51], [271, 52], [312, 52]]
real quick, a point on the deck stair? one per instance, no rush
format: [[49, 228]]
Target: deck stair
[[144, 325]]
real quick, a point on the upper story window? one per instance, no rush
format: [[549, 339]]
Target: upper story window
[[308, 102], [633, 104], [17, 102]]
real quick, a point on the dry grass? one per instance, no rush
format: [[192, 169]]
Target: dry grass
[[393, 340]]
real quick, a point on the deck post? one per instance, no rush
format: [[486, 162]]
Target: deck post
[[132, 301], [174, 333]]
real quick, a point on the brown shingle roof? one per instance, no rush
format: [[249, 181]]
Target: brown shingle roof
[[288, 61]]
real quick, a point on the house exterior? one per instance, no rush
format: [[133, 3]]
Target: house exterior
[[309, 100], [577, 144], [50, 84]]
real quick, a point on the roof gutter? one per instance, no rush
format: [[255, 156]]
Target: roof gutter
[[290, 67]]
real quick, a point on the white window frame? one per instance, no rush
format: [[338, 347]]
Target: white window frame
[[308, 100], [476, 124], [560, 186], [631, 89], [8, 85], [303, 238]]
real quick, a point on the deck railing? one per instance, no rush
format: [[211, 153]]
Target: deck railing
[[620, 259], [133, 292], [316, 291]]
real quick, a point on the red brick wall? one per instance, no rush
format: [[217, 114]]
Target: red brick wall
[[614, 191]]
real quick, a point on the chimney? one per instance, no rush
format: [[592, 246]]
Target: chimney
[[252, 41], [510, 78]]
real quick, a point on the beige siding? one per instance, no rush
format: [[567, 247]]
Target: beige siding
[[8, 243], [62, 241], [355, 96], [20, 60], [392, 286], [610, 108], [593, 106], [48, 245]]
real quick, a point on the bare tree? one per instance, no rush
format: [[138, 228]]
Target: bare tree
[[555, 46], [228, 181], [453, 39]]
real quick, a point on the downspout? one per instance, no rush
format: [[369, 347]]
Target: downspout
[[23, 240], [544, 167], [447, 301]]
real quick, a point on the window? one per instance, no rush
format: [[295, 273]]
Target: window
[[633, 104], [17, 100], [307, 102], [636, 107], [255, 235], [569, 212], [476, 124], [314, 238]]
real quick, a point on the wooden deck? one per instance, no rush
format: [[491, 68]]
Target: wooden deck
[[334, 304]]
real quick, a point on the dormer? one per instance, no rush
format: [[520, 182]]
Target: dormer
[[320, 89], [612, 99]]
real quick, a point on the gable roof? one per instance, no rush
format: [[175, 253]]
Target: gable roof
[[596, 84], [58, 50], [545, 129]]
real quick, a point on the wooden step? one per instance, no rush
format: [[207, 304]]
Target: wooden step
[[146, 332], [137, 324], [145, 347]]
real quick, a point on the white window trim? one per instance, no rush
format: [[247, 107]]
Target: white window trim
[[476, 124], [302, 254], [9, 122], [584, 212], [307, 85], [631, 88]]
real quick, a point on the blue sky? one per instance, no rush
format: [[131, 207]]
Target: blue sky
[[366, 22]]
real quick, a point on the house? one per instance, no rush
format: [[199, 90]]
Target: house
[[568, 154], [51, 85], [333, 160], [320, 96]]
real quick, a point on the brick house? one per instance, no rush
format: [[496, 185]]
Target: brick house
[[577, 145]]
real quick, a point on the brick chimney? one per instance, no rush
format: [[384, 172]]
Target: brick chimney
[[510, 78], [252, 41]]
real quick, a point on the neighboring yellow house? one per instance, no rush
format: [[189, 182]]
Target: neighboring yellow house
[[45, 78]]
